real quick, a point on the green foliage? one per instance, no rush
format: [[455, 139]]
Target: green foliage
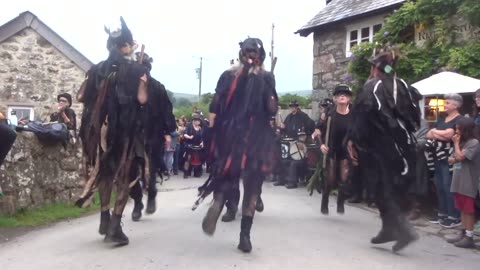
[[171, 97], [183, 102], [186, 108], [206, 98], [441, 53], [305, 103], [47, 213], [471, 10]]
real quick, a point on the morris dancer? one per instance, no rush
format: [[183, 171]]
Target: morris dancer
[[159, 122], [242, 144], [384, 117], [113, 96]]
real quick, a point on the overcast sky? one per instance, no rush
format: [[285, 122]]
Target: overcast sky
[[177, 33]]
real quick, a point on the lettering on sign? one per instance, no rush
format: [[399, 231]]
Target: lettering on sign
[[463, 30]]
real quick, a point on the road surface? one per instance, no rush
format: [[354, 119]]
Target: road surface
[[290, 234]]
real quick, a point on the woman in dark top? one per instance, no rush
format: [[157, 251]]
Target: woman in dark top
[[338, 164], [442, 133], [194, 142]]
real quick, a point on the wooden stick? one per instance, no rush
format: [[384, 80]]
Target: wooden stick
[[142, 54], [327, 138], [274, 64]]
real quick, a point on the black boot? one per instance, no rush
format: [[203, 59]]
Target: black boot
[[340, 205], [137, 210], [384, 236], [104, 221], [279, 182], [209, 223], [115, 233], [343, 195], [324, 206], [291, 185], [259, 206], [355, 199], [406, 234], [151, 203], [229, 215], [245, 245]]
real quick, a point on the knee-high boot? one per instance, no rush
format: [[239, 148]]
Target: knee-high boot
[[209, 222], [115, 233], [245, 244]]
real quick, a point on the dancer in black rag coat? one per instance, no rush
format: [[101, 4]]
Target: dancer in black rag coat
[[114, 95], [384, 117], [242, 140], [158, 121]]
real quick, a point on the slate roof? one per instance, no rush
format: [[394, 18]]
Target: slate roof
[[29, 20], [343, 10]]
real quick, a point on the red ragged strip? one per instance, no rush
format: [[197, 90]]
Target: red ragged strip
[[233, 87], [227, 165]]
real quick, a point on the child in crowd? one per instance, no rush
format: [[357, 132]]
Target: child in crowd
[[466, 173]]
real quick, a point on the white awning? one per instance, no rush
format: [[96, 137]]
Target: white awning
[[445, 83]]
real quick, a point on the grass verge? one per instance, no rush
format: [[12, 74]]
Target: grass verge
[[46, 214]]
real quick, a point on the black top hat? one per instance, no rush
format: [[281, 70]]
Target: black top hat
[[118, 37], [384, 61], [342, 88], [67, 96], [252, 45], [196, 116], [293, 103]]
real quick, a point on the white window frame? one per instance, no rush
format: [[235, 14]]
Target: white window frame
[[16, 107], [370, 23]]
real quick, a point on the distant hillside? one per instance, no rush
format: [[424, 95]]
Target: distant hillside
[[190, 97], [194, 98], [302, 93]]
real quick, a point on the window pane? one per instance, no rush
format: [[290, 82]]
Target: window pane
[[365, 32], [353, 35], [376, 28], [23, 113], [352, 44]]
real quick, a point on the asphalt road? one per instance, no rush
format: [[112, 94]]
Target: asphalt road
[[290, 234]]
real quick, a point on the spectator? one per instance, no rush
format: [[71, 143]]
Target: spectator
[[65, 114], [442, 134], [168, 156], [8, 136], [476, 117], [466, 173], [476, 111]]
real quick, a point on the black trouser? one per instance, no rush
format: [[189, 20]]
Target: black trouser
[[389, 192], [156, 166], [232, 196], [357, 182], [138, 167], [8, 137]]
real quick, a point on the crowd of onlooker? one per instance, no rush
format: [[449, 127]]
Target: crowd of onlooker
[[448, 154]]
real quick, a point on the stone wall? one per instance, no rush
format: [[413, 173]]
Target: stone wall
[[33, 73], [329, 63], [34, 174]]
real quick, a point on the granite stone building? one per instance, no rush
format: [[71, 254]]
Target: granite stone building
[[36, 64], [339, 26]]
